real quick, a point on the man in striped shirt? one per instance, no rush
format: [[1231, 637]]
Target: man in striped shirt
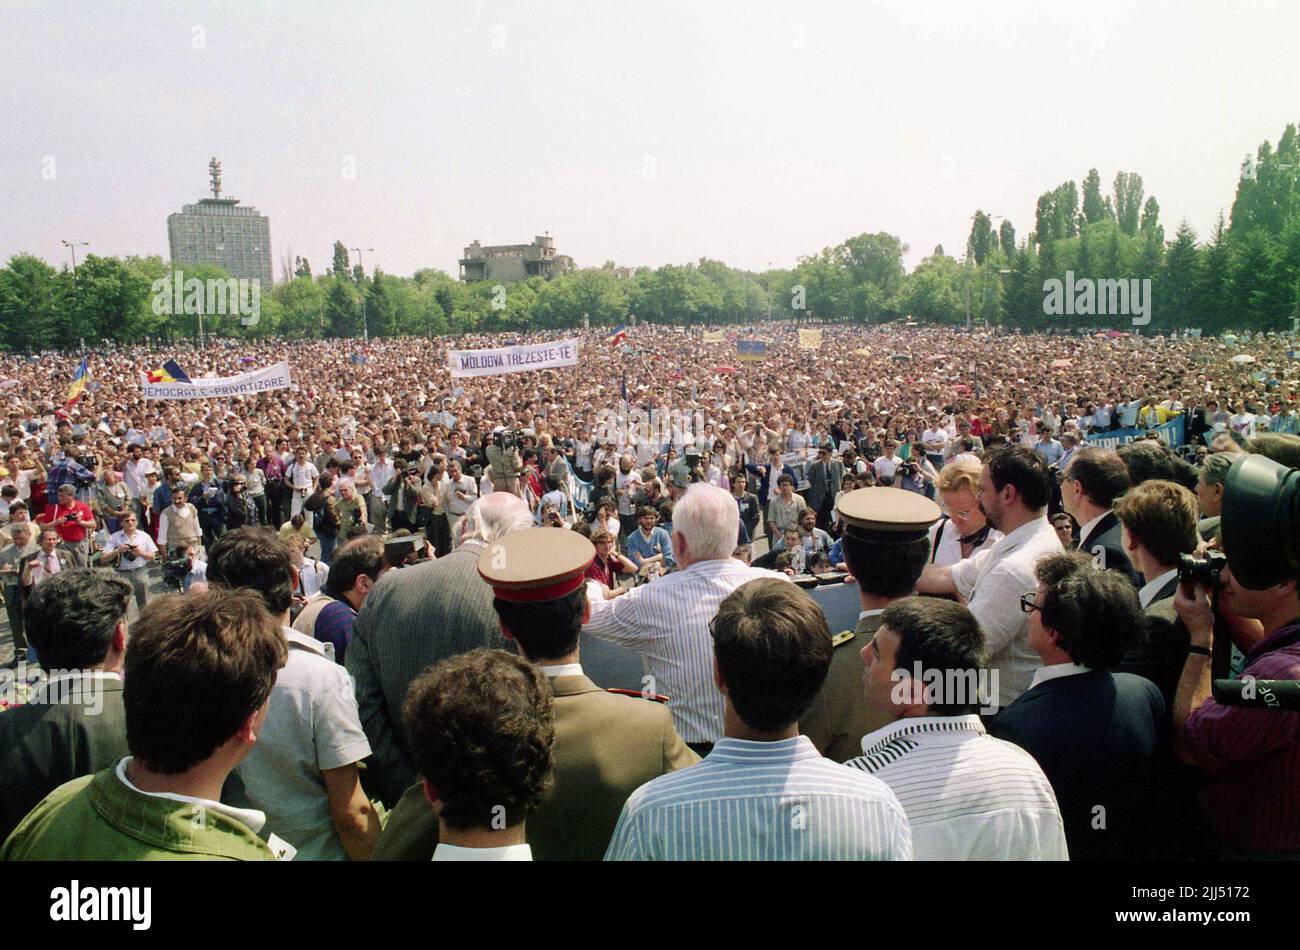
[[968, 796], [764, 793], [667, 621]]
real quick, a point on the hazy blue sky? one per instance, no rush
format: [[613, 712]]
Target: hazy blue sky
[[646, 133]]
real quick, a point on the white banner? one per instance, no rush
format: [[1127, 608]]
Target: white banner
[[512, 359], [245, 384]]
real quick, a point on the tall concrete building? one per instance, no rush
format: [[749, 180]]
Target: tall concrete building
[[218, 231], [508, 262]]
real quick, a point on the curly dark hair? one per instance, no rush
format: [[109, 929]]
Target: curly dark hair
[[1024, 468], [482, 731], [1096, 613]]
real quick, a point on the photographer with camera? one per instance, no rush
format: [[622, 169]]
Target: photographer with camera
[[1251, 756], [131, 551], [506, 461], [72, 520]]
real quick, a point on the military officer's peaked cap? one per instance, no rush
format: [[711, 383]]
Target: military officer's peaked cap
[[887, 515], [536, 564]]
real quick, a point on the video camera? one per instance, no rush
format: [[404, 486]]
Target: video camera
[[1261, 521]]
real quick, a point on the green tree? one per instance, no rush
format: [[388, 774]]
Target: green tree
[[1093, 208], [342, 265], [980, 233]]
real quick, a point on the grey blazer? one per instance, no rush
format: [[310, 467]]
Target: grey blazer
[[413, 618]]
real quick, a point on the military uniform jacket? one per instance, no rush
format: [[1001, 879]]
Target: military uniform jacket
[[606, 746], [98, 818], [839, 717]]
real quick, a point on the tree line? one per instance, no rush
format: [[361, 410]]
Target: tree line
[[1244, 275]]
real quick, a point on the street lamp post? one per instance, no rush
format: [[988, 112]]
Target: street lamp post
[[365, 326], [72, 246]]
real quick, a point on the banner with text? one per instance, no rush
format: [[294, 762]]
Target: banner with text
[[512, 359], [810, 339], [1171, 434], [245, 384], [714, 336]]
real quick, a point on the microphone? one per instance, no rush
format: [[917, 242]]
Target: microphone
[[1274, 695]]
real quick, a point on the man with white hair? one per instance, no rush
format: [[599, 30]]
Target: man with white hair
[[417, 616], [668, 620]]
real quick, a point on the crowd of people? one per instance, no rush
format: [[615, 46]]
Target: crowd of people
[[379, 581]]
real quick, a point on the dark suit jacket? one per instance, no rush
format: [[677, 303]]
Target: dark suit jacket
[[606, 746], [1106, 535], [1163, 651], [413, 618], [824, 479], [43, 745], [1097, 736], [66, 562]]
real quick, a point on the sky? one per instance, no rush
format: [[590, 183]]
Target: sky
[[645, 133]]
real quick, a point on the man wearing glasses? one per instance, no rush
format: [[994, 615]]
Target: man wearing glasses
[[1096, 734]]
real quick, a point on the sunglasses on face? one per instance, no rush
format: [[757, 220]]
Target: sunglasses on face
[[1027, 604]]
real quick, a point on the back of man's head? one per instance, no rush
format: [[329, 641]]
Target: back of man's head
[[198, 666], [253, 559], [482, 732], [1147, 460], [1161, 516], [885, 569], [773, 649], [494, 516], [548, 629], [943, 636], [1278, 446], [1101, 473], [708, 519], [363, 557], [1025, 470], [71, 617], [1096, 613]]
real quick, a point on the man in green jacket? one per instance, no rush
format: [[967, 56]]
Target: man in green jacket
[[199, 673]]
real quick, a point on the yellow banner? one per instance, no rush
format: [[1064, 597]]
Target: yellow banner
[[714, 336], [810, 339]]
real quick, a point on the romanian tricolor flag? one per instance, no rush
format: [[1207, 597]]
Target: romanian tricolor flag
[[169, 372], [618, 335], [78, 384]]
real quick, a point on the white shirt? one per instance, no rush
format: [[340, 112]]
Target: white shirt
[[139, 540], [968, 796], [886, 467], [251, 818], [1056, 671], [134, 476], [934, 436], [302, 476], [1086, 528], [381, 473], [452, 852], [1152, 587], [628, 485], [762, 801], [563, 669], [45, 565], [453, 504], [667, 621], [948, 551], [993, 581]]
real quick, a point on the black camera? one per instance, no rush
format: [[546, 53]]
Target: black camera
[[1261, 521], [908, 469], [1202, 570]]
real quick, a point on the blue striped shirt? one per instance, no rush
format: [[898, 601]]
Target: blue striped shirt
[[667, 621], [762, 801]]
